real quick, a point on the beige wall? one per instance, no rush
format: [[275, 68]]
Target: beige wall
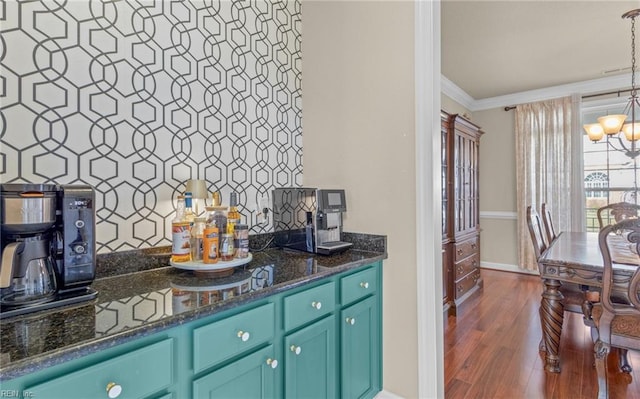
[[452, 107], [358, 133], [497, 187]]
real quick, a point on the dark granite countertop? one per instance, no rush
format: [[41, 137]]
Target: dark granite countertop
[[138, 295]]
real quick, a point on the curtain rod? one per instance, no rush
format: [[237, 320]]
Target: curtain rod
[[618, 92]]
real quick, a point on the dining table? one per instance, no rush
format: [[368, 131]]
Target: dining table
[[575, 257]]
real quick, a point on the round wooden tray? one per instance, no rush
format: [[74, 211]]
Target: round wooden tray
[[220, 269]]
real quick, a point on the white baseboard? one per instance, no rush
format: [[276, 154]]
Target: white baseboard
[[507, 268], [387, 395]]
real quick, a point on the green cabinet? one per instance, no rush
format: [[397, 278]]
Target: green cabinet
[[137, 374], [360, 349], [319, 340], [308, 305], [252, 376], [233, 335], [310, 361]]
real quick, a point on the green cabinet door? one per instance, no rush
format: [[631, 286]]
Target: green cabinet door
[[310, 361], [253, 376], [360, 348]]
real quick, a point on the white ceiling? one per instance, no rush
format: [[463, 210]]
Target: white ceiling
[[497, 48]]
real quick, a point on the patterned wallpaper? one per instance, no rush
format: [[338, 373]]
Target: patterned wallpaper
[[136, 97]]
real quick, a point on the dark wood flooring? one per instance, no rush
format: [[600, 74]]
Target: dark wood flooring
[[491, 348]]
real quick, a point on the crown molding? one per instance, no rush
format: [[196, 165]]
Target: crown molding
[[455, 93], [451, 90]]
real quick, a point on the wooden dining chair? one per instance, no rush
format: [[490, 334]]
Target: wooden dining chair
[[549, 228], [535, 230], [574, 296], [616, 212], [618, 324]]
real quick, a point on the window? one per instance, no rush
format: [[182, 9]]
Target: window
[[593, 182], [609, 174]]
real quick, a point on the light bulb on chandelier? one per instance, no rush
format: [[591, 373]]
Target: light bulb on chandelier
[[614, 126]]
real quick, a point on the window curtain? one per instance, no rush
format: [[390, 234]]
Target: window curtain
[[549, 168]]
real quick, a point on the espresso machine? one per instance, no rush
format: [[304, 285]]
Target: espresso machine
[[48, 246], [309, 219]]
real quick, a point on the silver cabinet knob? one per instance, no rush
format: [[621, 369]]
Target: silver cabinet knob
[[364, 285], [316, 305], [350, 320], [244, 335], [295, 349], [113, 390]]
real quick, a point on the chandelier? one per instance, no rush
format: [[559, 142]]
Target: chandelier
[[620, 135]]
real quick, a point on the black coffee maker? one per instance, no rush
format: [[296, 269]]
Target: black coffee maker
[[48, 246]]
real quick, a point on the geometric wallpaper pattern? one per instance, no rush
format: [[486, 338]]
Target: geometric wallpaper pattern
[[136, 97]]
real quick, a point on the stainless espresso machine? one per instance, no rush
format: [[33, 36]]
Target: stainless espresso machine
[[48, 246], [309, 219]]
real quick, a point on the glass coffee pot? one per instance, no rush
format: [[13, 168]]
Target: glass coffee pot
[[27, 272]]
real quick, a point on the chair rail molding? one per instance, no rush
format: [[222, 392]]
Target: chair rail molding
[[498, 215]]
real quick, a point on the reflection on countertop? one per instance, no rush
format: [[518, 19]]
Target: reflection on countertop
[[143, 302]]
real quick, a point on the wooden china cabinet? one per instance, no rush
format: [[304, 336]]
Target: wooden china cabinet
[[460, 210]]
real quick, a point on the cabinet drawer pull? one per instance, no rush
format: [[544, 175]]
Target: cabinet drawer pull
[[113, 390], [316, 305], [295, 349], [364, 285], [460, 252], [272, 362], [244, 335], [474, 246], [350, 320]]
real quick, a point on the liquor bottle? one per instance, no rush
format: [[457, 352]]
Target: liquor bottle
[[180, 234], [210, 243], [227, 247], [233, 216], [241, 237], [197, 233], [217, 217], [189, 215]]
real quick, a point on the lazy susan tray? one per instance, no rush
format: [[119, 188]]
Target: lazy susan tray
[[211, 267]]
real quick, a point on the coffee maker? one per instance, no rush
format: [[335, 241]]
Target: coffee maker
[[48, 246], [309, 219]]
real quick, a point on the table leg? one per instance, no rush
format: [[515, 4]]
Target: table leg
[[551, 318]]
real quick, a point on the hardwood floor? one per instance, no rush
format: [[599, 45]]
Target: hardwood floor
[[491, 348]]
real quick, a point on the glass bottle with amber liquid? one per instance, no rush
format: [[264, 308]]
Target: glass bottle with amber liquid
[[233, 216], [180, 234]]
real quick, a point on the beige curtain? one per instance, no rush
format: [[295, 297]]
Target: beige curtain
[[544, 168]]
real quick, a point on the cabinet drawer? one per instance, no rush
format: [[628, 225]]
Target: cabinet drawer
[[467, 283], [466, 266], [358, 285], [139, 374], [465, 248], [229, 337], [309, 305]]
